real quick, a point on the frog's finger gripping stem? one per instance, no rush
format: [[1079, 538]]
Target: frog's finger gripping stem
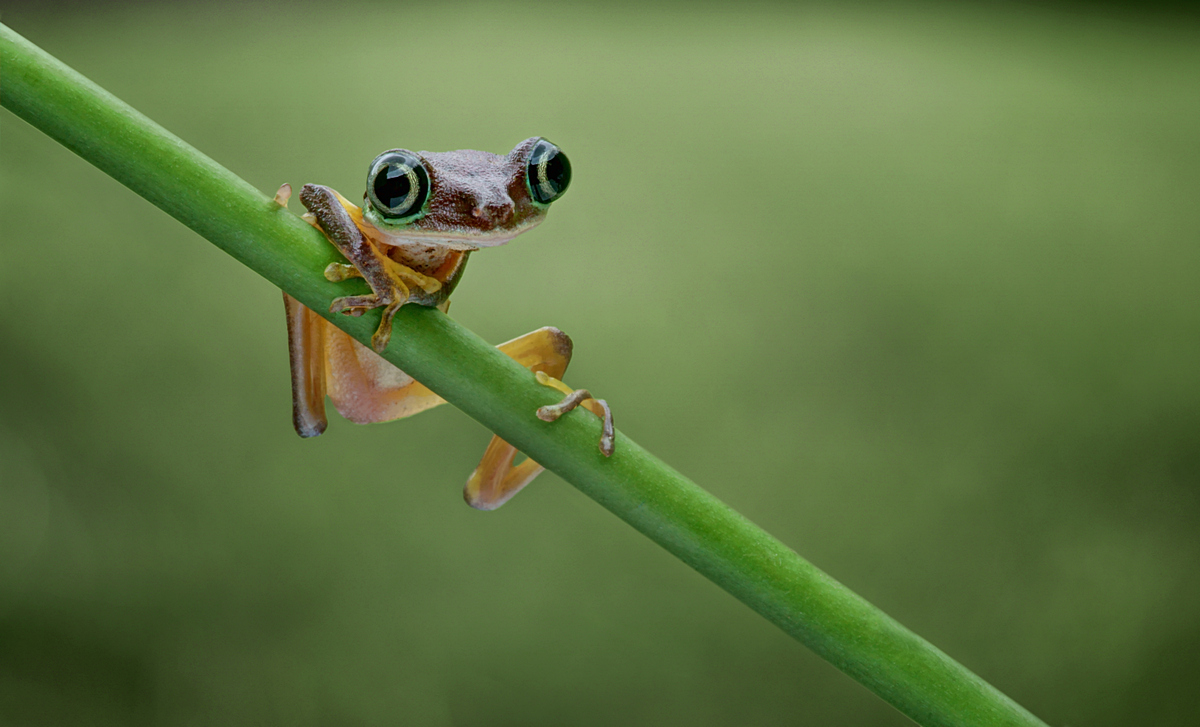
[[337, 225]]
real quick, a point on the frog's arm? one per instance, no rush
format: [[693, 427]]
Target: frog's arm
[[390, 282]]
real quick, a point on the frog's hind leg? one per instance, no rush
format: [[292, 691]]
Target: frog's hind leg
[[367, 389], [546, 352], [574, 398], [363, 386], [306, 353], [496, 480]]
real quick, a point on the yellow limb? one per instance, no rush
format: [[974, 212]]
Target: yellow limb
[[283, 194], [409, 278], [574, 398], [593, 405], [546, 352], [337, 272], [496, 480]]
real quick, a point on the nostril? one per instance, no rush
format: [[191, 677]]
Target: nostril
[[493, 212]]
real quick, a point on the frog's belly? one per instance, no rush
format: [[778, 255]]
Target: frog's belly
[[364, 387]]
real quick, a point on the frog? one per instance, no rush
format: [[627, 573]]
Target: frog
[[422, 216]]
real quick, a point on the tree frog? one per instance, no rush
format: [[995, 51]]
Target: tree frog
[[423, 214]]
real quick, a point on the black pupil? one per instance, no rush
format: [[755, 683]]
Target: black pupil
[[556, 172], [392, 186], [549, 172]]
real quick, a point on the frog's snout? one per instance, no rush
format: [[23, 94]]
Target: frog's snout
[[494, 213]]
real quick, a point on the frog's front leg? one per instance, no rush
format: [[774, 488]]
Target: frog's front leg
[[389, 287], [546, 352]]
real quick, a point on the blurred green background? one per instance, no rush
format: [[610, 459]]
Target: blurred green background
[[914, 287]]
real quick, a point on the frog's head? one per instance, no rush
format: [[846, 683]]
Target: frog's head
[[464, 200]]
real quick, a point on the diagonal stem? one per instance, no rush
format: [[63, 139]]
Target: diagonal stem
[[762, 572]]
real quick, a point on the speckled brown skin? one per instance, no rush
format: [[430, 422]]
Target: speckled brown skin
[[335, 222], [476, 198]]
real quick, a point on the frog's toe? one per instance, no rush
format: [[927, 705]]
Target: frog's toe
[[608, 434], [355, 305], [337, 272], [583, 397], [383, 334]]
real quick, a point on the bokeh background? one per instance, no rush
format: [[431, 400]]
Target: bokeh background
[[916, 287]]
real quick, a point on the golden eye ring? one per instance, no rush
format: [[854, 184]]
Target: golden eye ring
[[398, 185], [548, 172]]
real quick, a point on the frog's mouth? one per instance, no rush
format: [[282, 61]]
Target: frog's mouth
[[465, 240]]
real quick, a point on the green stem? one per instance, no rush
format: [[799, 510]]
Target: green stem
[[766, 575]]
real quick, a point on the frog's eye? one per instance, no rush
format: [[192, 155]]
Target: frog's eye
[[549, 172], [398, 184]]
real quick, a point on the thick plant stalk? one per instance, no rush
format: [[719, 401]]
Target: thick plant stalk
[[766, 575]]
